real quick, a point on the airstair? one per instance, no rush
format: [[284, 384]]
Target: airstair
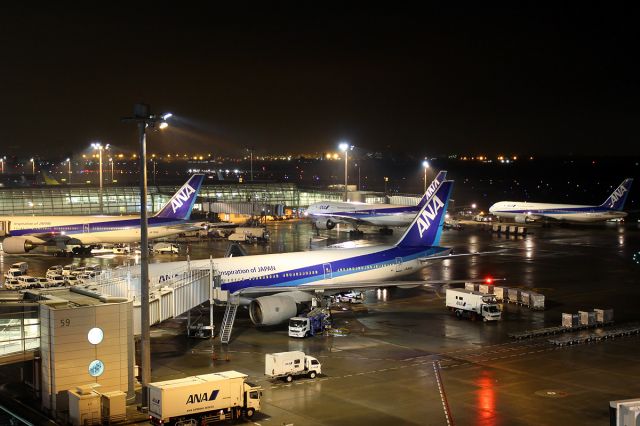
[[229, 318]]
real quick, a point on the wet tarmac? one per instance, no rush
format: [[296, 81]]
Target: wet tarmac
[[380, 369]]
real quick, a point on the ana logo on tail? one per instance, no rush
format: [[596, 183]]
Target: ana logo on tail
[[617, 194], [181, 197], [429, 213]]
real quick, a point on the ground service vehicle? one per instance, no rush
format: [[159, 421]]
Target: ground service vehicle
[[309, 324], [473, 304], [13, 274], [250, 234], [22, 266], [287, 365], [166, 248], [56, 280], [203, 399]]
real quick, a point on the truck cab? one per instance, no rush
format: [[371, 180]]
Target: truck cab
[[491, 312], [313, 366], [299, 327], [252, 396]]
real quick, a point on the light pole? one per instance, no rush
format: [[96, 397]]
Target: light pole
[[345, 147], [425, 164], [111, 161], [100, 148], [143, 118], [386, 179], [69, 163], [33, 166], [358, 166], [2, 164]]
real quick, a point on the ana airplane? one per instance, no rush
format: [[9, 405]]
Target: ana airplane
[[523, 212], [327, 214], [273, 284], [29, 232]]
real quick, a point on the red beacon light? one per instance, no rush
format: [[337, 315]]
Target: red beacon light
[[488, 280]]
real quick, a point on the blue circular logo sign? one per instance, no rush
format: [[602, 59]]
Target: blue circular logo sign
[[96, 368]]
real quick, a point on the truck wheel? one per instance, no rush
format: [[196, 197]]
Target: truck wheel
[[289, 378], [312, 375], [459, 314], [250, 412]]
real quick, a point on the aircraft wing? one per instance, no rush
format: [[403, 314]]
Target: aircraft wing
[[338, 218], [451, 255], [356, 285]]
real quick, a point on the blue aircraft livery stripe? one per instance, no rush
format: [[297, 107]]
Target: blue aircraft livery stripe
[[82, 228]]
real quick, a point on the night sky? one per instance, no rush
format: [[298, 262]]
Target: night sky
[[281, 77]]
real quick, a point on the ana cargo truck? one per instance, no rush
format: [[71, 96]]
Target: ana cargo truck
[[287, 365], [203, 399], [473, 304]]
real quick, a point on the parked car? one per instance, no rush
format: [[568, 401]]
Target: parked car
[[73, 280], [28, 281], [56, 280]]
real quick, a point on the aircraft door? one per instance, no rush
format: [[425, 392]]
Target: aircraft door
[[398, 264], [5, 227], [85, 227], [328, 273]]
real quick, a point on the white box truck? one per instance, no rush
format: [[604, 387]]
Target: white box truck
[[287, 365], [473, 304], [204, 399]]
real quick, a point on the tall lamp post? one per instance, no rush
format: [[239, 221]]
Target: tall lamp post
[[345, 147], [2, 164], [425, 165], [69, 163], [111, 161], [144, 119], [98, 146], [33, 166]]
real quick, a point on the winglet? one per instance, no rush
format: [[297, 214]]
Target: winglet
[[618, 197], [426, 228], [180, 205], [440, 177]]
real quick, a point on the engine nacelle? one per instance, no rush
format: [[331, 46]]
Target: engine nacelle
[[272, 310], [522, 219], [325, 224], [17, 245]]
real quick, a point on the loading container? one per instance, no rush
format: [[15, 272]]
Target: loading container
[[603, 316], [521, 230], [536, 300], [495, 227], [524, 297], [471, 286], [485, 288], [499, 292], [587, 318], [512, 229], [512, 294], [570, 320]]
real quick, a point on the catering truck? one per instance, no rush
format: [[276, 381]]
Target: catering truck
[[473, 304], [287, 365], [203, 399], [309, 324]]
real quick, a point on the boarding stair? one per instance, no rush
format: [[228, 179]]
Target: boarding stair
[[229, 318]]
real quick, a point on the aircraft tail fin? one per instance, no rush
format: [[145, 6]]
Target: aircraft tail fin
[[618, 197], [440, 177], [426, 228], [181, 204]]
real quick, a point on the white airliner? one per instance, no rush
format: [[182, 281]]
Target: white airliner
[[273, 284], [523, 212], [29, 232], [327, 214]]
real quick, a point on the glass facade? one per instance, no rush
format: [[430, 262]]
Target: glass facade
[[117, 200], [19, 328]]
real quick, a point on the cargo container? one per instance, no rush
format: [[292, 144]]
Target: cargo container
[[524, 297], [587, 318], [536, 300], [203, 399], [473, 304], [604, 316], [499, 292], [471, 286], [570, 320], [512, 294], [287, 365], [485, 288]]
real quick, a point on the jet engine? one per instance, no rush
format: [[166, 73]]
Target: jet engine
[[325, 224], [272, 310], [521, 218], [17, 245]]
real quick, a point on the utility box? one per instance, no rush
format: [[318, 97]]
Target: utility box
[[471, 286], [536, 300], [524, 297], [113, 406], [84, 406], [570, 320], [603, 316]]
